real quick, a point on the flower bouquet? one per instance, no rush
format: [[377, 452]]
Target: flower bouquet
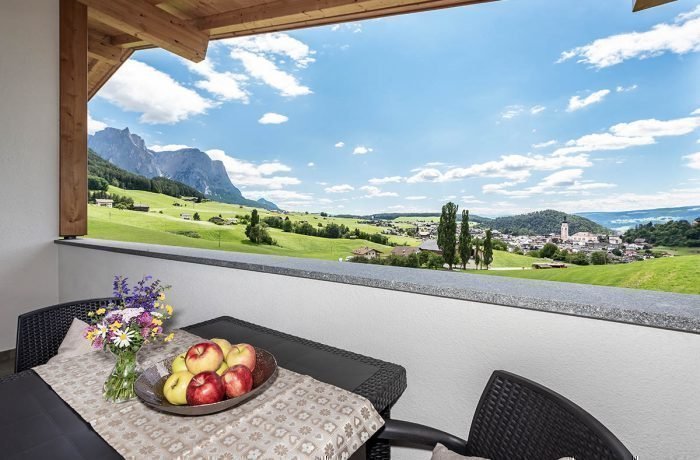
[[134, 318]]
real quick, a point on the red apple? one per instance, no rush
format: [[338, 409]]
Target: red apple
[[204, 357], [205, 388], [237, 380], [241, 353]]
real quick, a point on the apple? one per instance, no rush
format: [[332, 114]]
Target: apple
[[237, 380], [175, 387], [241, 353], [222, 368], [205, 388], [204, 357], [224, 344], [178, 364]]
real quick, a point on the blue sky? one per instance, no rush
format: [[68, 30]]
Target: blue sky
[[503, 107]]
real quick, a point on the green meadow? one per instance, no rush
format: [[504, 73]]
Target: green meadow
[[673, 274]]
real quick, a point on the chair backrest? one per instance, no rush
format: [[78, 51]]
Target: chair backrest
[[519, 419], [40, 332]]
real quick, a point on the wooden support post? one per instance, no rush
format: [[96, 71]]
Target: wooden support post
[[73, 193]]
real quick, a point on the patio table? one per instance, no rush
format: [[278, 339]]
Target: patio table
[[40, 421]]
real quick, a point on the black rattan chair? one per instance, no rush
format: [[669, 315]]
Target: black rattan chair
[[518, 419], [40, 332]]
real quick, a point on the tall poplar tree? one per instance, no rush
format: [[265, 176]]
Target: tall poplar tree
[[488, 250], [477, 253], [465, 240], [447, 233]]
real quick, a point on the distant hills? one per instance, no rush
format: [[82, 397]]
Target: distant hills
[[189, 166], [622, 220]]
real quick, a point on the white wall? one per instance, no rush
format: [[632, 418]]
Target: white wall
[[28, 159], [642, 383]]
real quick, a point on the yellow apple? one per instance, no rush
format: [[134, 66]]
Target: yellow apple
[[224, 344], [179, 364], [222, 368], [175, 388], [204, 357]]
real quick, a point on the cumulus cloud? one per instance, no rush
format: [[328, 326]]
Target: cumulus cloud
[[373, 192], [275, 44], [566, 181], [343, 188], [692, 160], [577, 103], [385, 180], [264, 69], [679, 38], [362, 150], [168, 147], [245, 173], [271, 118], [625, 89], [339, 144], [471, 199], [513, 167], [545, 144], [94, 125], [226, 86], [138, 87], [631, 201], [634, 134]]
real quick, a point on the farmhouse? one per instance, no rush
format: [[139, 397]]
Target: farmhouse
[[104, 203], [430, 246], [186, 216], [141, 207], [404, 251], [367, 252]]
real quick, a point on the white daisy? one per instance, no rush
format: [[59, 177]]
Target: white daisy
[[102, 330], [123, 339]]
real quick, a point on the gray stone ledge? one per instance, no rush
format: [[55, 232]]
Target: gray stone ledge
[[678, 312]]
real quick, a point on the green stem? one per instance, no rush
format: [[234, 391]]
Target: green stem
[[119, 386]]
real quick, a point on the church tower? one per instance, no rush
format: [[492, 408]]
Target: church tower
[[564, 230]]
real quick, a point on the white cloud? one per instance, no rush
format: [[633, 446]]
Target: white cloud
[[513, 111], [386, 180], [537, 109], [275, 44], [266, 70], [94, 125], [373, 192], [513, 167], [227, 86], [695, 112], [310, 164], [633, 134], [416, 197], [566, 181], [244, 173], [138, 87], [693, 160], [339, 144], [657, 128], [354, 27], [625, 89], [576, 103], [168, 147], [470, 199], [271, 118], [362, 150], [542, 145], [679, 38], [343, 188], [277, 195], [632, 201]]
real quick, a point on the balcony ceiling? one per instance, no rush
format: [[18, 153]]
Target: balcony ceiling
[[119, 27]]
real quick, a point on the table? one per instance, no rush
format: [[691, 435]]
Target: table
[[34, 420]]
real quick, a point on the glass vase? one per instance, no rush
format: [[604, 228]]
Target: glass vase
[[119, 386]]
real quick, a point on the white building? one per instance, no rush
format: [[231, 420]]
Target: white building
[[565, 231], [584, 237], [104, 203]]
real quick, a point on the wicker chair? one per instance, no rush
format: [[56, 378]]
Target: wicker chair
[[40, 332], [519, 419]]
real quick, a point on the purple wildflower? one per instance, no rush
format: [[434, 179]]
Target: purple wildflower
[[145, 319]]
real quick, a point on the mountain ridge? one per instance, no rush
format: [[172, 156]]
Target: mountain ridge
[[189, 166]]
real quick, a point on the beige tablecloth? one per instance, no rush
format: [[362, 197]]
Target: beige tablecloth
[[296, 417]]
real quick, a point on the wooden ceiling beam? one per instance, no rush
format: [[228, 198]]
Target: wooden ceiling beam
[[640, 5], [151, 24], [100, 47]]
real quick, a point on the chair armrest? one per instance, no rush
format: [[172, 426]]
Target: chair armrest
[[413, 433]]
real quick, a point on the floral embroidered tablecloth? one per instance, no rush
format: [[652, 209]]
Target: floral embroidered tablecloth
[[296, 417]]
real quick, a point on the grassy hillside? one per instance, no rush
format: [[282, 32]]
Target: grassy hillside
[[674, 274]]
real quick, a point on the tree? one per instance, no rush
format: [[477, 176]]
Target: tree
[[465, 240], [254, 218], [579, 258], [488, 250], [477, 252], [548, 250], [599, 258], [617, 252], [447, 233], [435, 261], [287, 225], [196, 216]]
